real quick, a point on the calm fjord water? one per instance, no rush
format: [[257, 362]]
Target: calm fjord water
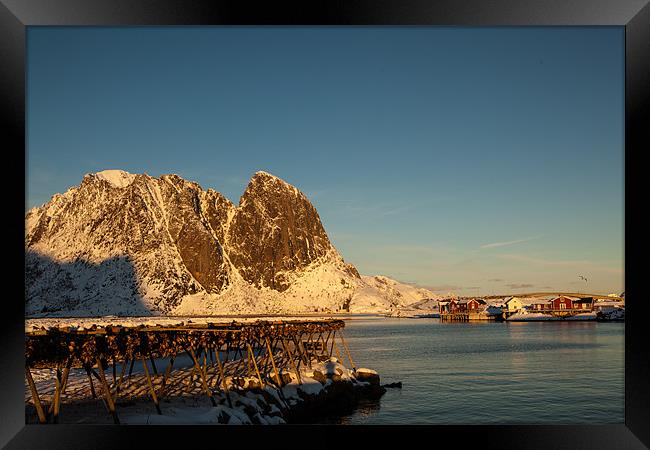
[[491, 373]]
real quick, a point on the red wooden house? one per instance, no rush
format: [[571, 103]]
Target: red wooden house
[[585, 304], [468, 305], [561, 302]]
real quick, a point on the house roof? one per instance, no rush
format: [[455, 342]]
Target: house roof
[[563, 297], [467, 300]]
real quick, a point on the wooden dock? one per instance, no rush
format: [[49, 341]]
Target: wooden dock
[[465, 316], [222, 356]]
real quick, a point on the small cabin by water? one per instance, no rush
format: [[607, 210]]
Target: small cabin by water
[[468, 305], [513, 304], [565, 303], [586, 303], [561, 302]]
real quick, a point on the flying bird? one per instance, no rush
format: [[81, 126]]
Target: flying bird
[[580, 276]]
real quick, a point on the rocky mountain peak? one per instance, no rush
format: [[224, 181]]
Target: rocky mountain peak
[[275, 232], [116, 178], [122, 237]]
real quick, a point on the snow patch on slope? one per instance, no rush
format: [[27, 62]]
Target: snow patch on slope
[[117, 178]]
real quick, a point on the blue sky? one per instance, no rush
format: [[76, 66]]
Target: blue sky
[[476, 160]]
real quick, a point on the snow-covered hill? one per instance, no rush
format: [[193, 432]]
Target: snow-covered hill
[[127, 244]]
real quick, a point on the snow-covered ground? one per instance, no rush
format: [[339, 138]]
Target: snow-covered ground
[[81, 323], [320, 288], [526, 316]]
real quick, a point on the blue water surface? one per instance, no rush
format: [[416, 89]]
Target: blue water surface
[[491, 373]]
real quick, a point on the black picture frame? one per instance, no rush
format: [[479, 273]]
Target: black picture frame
[[634, 15]]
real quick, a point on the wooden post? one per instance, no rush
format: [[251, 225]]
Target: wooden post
[[66, 372], [297, 343], [122, 372], [131, 366], [307, 351], [336, 348], [291, 361], [259, 377], [61, 382], [37, 400], [90, 379], [240, 361], [329, 353], [347, 351], [54, 406], [275, 369], [168, 371], [324, 348], [223, 380], [107, 391], [205, 363], [153, 391], [201, 375], [153, 364]]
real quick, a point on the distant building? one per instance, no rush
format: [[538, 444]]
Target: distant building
[[561, 302], [586, 303], [565, 303], [468, 305], [512, 304]]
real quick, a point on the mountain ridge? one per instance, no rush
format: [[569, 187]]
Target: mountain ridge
[[122, 243]]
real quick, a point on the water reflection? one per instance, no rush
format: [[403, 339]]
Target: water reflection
[[364, 410]]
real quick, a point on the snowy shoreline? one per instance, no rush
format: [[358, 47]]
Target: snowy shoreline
[[81, 323], [541, 317]]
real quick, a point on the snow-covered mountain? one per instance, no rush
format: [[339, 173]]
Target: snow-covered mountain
[[128, 244]]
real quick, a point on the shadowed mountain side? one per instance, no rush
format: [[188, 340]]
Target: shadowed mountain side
[[81, 288]]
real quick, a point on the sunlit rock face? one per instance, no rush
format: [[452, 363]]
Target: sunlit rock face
[[134, 244], [274, 232]]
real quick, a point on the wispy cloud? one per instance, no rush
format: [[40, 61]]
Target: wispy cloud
[[520, 285], [583, 264], [443, 287], [503, 244]]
